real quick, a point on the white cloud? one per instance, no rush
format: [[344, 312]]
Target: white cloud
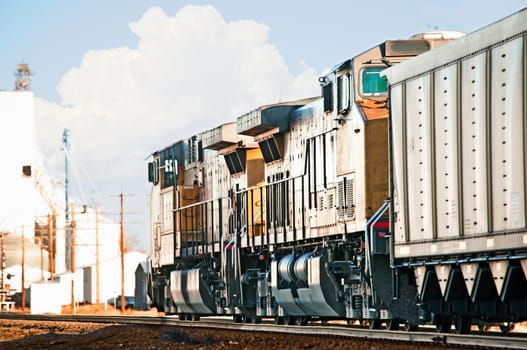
[[189, 73]]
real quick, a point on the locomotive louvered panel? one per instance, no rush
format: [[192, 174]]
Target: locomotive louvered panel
[[350, 197], [473, 145], [340, 200], [507, 131], [331, 218], [419, 158], [446, 151], [346, 198], [398, 167]]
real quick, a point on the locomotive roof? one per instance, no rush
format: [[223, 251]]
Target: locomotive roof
[[299, 102], [388, 48]]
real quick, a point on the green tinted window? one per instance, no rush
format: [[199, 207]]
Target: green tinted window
[[372, 82]]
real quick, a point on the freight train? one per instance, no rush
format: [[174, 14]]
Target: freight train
[[396, 198]]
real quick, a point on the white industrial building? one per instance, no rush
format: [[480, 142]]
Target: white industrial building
[[19, 200]]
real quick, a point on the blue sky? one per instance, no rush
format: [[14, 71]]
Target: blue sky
[[130, 76], [53, 36]]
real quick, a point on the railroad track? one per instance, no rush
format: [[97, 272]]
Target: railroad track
[[477, 340]]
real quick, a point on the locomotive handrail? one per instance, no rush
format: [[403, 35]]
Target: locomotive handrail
[[369, 240], [268, 184], [370, 224], [201, 203]]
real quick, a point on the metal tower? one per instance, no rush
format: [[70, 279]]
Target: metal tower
[[23, 77], [67, 147]]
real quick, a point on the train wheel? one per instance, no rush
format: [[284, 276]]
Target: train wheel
[[506, 328], [258, 320], [290, 320], [483, 327], [279, 320], [392, 324], [195, 317], [443, 324], [237, 318], [302, 320], [462, 324], [181, 317], [410, 327], [248, 319], [374, 323]]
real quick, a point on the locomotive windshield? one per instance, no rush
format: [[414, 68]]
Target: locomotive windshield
[[372, 83], [169, 166]]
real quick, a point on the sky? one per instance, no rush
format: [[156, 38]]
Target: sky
[[129, 77]]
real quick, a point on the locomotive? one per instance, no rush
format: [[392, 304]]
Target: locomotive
[[366, 204]]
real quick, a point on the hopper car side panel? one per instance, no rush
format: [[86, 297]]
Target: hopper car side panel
[[458, 141], [459, 155], [473, 145]]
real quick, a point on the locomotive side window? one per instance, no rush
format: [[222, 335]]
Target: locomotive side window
[[169, 166], [153, 172], [372, 84], [343, 93], [327, 94], [195, 150]]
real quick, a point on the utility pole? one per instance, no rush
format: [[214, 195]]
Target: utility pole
[[2, 265], [97, 270], [121, 241], [73, 234], [51, 249], [41, 258], [66, 147], [72, 225], [23, 277]]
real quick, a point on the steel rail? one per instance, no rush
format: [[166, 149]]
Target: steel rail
[[476, 340]]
